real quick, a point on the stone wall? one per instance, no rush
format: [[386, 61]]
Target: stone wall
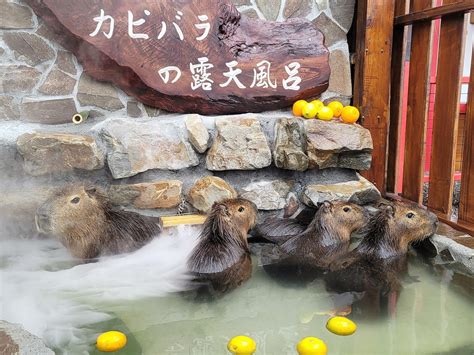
[[151, 160]]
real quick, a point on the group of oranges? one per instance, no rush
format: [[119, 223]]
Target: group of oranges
[[317, 109]]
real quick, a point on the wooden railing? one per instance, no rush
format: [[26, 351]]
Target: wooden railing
[[378, 85]]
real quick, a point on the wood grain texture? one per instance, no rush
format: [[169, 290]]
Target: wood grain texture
[[435, 12], [466, 203], [133, 63], [417, 106], [397, 74], [446, 113], [372, 86]]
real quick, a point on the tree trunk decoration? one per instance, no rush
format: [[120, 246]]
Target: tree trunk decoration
[[192, 56]]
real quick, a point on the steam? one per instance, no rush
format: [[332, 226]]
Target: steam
[[54, 297]]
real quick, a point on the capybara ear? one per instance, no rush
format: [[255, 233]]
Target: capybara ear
[[389, 210], [91, 191], [327, 206]]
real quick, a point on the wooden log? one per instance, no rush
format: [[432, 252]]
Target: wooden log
[[417, 106], [466, 203], [397, 75], [446, 113], [270, 55], [372, 78]]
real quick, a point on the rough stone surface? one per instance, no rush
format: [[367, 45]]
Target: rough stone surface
[[95, 93], [197, 133], [340, 79], [335, 144], [297, 8], [361, 192], [250, 13], [240, 144], [9, 109], [289, 145], [45, 153], [159, 194], [133, 110], [135, 147], [16, 79], [343, 12], [208, 190], [269, 9], [152, 111], [65, 62], [28, 47], [241, 2], [57, 83], [332, 32], [48, 111], [267, 195], [19, 341], [460, 253], [14, 16], [345, 100]]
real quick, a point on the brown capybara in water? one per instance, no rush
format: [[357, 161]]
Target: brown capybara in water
[[89, 226], [221, 259], [302, 256], [378, 264]]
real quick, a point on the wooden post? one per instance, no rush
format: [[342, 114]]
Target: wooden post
[[446, 113], [417, 106], [466, 204], [398, 61], [372, 78]]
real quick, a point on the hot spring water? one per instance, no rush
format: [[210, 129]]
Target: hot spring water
[[69, 304]]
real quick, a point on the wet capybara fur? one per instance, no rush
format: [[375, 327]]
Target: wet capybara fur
[[84, 221], [302, 256], [221, 261], [378, 264]]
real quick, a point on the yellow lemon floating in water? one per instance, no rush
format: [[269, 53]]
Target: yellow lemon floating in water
[[311, 346], [242, 345], [111, 341], [341, 326]]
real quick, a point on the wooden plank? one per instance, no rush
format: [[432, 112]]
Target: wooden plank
[[417, 106], [435, 12], [466, 203], [446, 113], [398, 61], [372, 79]]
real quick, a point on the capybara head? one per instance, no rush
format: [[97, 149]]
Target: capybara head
[[73, 211], [396, 225], [237, 213], [340, 218]]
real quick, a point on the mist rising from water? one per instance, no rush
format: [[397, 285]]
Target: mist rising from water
[[52, 295]]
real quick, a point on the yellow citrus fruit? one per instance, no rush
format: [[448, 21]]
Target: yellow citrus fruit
[[317, 103], [298, 107], [309, 110], [336, 108], [311, 346], [341, 326], [242, 345], [325, 114], [350, 114], [111, 341]]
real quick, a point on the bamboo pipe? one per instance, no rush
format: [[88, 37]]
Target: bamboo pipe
[[80, 117], [172, 221]]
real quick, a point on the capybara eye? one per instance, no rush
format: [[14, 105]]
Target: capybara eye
[[410, 215], [241, 209], [346, 209], [75, 200]]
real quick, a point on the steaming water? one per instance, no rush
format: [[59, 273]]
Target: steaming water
[[68, 305]]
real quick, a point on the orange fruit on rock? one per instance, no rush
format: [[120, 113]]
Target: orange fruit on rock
[[336, 107], [309, 110], [350, 114], [298, 107], [318, 103], [325, 114]]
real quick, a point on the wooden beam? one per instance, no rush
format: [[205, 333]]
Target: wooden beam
[[466, 203], [446, 113], [398, 64], [372, 78], [417, 106], [459, 7]]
